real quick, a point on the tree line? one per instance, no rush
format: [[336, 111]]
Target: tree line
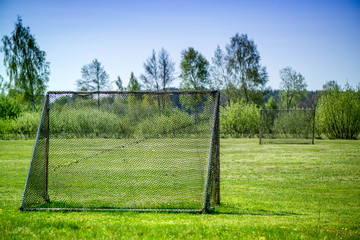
[[235, 69]]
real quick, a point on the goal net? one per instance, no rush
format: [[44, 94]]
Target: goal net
[[148, 151], [287, 126]]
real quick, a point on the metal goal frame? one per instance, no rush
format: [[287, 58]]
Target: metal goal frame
[[36, 196]]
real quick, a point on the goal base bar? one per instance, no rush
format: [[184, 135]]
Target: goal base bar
[[116, 210]]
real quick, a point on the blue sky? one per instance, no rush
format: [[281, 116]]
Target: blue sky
[[319, 39]]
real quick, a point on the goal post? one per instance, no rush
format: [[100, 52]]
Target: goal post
[[126, 150], [287, 126]]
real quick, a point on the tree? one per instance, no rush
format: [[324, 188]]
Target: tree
[[293, 88], [220, 76], [310, 99], [243, 64], [195, 75], [194, 70], [133, 85], [118, 84], [166, 69], [159, 73], [271, 104], [94, 77], [9, 107], [26, 64], [3, 85], [151, 76], [331, 86]]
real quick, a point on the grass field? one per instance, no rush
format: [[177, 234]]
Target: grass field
[[273, 191], [154, 173]]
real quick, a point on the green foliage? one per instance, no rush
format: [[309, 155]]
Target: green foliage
[[240, 119], [26, 64], [221, 78], [133, 85], [243, 65], [151, 76], [293, 88], [159, 72], [294, 124], [338, 112], [271, 104], [194, 70], [218, 70], [25, 126], [141, 119], [117, 118], [287, 126], [166, 69], [167, 123], [9, 108], [3, 85], [118, 84], [149, 101], [194, 103], [89, 121], [93, 77]]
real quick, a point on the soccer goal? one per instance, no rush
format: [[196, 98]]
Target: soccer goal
[[142, 151], [287, 126]]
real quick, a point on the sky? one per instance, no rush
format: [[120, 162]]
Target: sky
[[319, 39]]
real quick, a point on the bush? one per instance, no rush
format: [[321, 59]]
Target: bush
[[25, 125], [167, 123], [338, 112], [89, 121], [240, 119], [9, 108], [82, 117], [296, 124]]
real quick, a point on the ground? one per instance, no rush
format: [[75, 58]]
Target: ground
[[271, 191]]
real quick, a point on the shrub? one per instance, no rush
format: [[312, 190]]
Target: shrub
[[240, 119], [9, 108], [166, 123], [87, 121], [338, 112], [294, 124], [25, 125]]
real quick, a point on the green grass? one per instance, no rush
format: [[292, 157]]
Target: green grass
[[273, 191], [121, 173]]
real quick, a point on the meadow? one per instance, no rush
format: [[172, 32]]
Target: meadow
[[270, 191]]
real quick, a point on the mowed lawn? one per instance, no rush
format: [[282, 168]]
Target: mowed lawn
[[160, 173], [272, 191]]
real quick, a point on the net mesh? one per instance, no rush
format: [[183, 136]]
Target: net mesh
[[126, 150], [287, 126]]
